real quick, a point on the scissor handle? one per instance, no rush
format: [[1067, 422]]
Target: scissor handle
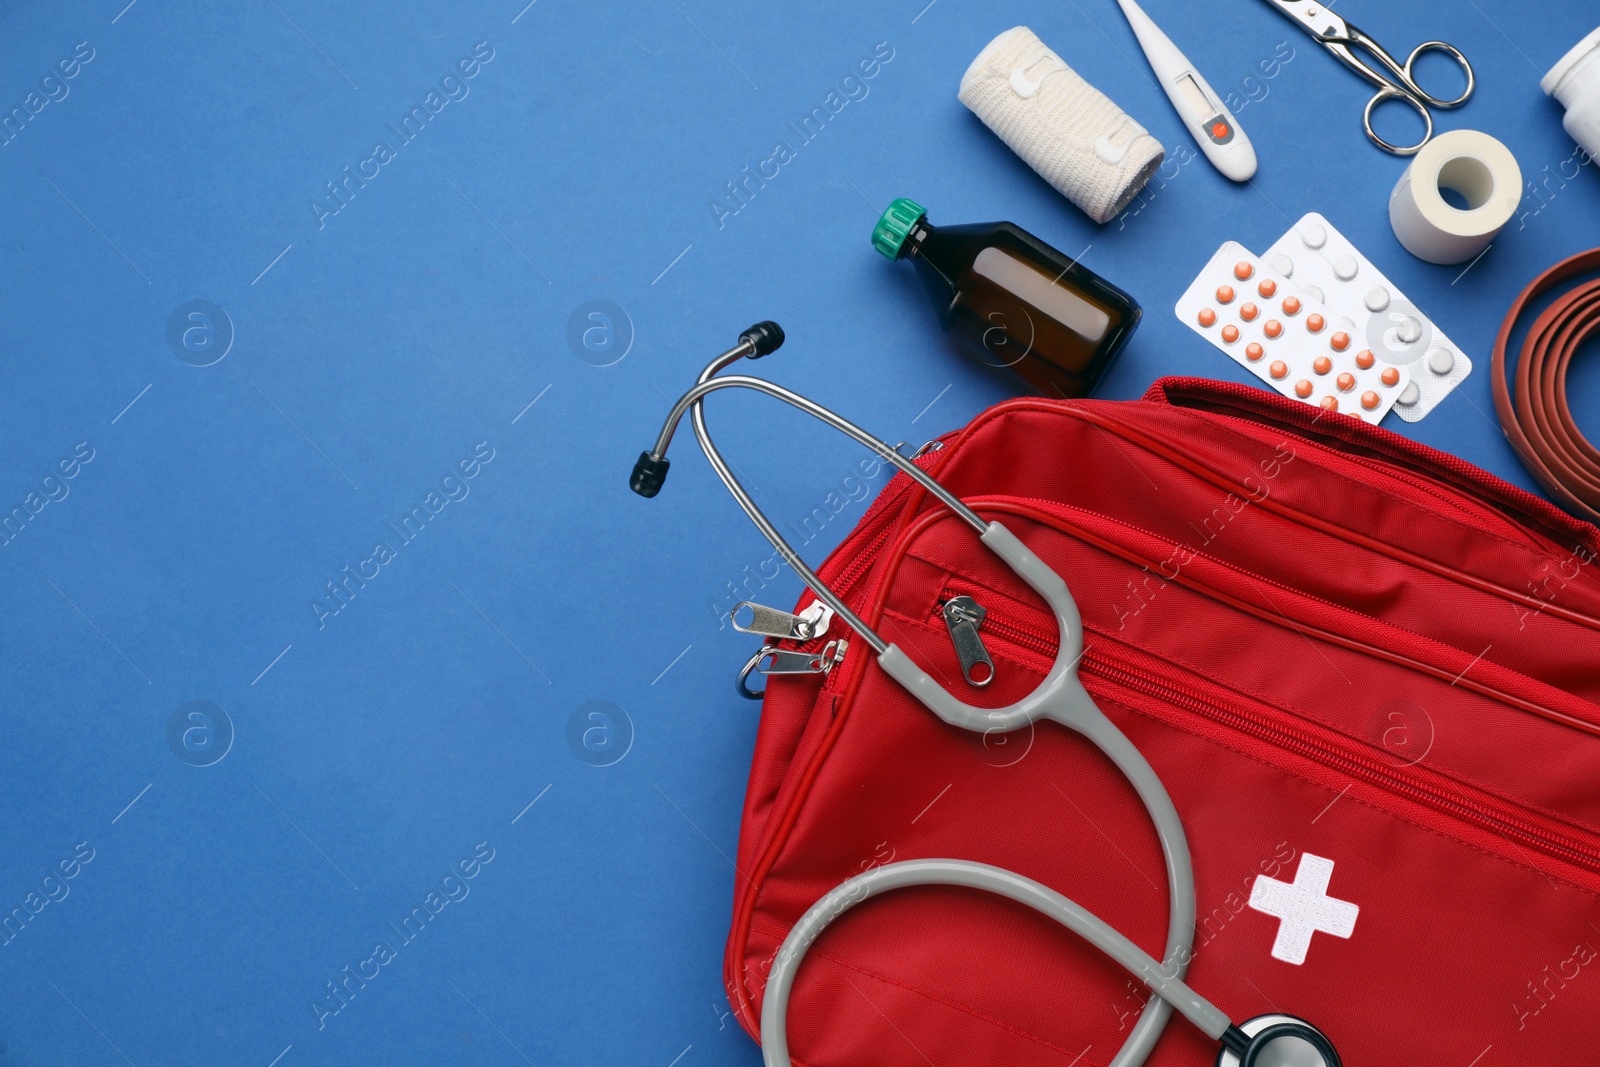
[[1461, 61], [1384, 95], [1398, 81]]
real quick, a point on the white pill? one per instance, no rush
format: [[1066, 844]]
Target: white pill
[[1283, 265], [1316, 294], [1345, 267], [1409, 330], [1440, 361], [1377, 298], [1313, 235], [1409, 395]]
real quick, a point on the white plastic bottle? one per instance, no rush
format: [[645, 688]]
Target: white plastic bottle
[[1575, 82]]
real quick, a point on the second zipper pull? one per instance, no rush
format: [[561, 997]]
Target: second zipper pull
[[962, 617], [770, 622]]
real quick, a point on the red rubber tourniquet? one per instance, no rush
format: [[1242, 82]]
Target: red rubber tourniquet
[[1540, 424]]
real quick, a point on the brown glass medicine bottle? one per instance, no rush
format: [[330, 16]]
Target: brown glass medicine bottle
[[1011, 300]]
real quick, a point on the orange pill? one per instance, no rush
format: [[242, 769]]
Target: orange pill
[[1391, 376], [1272, 328], [1369, 400], [1346, 382], [1230, 333], [1243, 270], [1279, 369], [1339, 341], [1267, 287], [1330, 403], [1248, 311], [1315, 323], [1291, 305], [1254, 352], [1364, 358], [1208, 317], [1224, 294], [1322, 364], [1302, 389]]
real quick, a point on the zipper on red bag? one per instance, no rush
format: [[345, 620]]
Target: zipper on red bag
[[1281, 730], [851, 576], [1328, 528], [1473, 484], [820, 654], [860, 565], [845, 582]]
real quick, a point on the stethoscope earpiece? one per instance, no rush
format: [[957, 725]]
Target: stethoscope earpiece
[[1276, 1041]]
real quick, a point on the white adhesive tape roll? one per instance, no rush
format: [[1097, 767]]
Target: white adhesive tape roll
[[1076, 137], [1481, 171]]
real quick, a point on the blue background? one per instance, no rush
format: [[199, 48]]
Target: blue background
[[376, 347]]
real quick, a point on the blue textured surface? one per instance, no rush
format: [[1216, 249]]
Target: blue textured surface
[[377, 347]]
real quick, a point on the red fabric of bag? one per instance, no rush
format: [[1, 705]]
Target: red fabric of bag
[[1328, 641]]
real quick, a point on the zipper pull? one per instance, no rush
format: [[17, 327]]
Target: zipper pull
[[782, 661], [962, 616], [772, 660], [770, 622]]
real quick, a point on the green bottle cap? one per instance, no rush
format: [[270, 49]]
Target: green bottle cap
[[894, 224]]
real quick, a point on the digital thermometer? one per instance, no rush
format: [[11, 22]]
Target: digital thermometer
[[1201, 110]]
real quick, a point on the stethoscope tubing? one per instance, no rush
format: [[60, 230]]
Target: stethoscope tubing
[[1173, 991], [1060, 697]]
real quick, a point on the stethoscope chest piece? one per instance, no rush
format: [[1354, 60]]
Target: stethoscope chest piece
[[1289, 1050]]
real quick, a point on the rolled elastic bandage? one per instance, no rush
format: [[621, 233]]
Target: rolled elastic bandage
[[1075, 136]]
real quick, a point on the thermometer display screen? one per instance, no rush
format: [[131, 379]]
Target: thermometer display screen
[[1198, 104]]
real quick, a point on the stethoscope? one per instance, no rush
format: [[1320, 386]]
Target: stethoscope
[[1265, 1041]]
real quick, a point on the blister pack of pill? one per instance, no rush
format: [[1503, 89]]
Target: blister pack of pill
[[1322, 264], [1292, 342]]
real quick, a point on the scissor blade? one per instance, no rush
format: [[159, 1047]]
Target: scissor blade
[[1315, 18]]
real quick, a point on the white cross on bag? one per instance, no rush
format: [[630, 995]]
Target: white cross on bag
[[1303, 908]]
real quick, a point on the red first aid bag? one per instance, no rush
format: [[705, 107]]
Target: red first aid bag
[[1346, 655]]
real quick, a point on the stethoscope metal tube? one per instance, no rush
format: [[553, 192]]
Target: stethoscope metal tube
[[651, 469], [1060, 696]]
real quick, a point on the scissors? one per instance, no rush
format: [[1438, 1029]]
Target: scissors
[[1395, 80]]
